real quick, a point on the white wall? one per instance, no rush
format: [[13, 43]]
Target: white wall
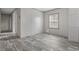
[[63, 22], [74, 24], [16, 21], [31, 22], [14, 18]]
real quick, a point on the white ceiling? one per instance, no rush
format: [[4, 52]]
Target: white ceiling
[[44, 9], [10, 10], [7, 10]]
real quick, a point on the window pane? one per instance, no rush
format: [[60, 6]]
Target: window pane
[[53, 21], [53, 24]]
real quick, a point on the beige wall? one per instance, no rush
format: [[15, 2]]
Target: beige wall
[[63, 22]]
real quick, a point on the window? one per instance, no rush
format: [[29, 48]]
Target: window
[[53, 21]]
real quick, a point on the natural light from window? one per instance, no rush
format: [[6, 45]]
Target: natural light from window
[[53, 21]]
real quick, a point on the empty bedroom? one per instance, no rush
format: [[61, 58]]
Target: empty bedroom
[[39, 29]]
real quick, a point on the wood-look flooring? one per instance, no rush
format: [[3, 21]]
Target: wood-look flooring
[[39, 42]]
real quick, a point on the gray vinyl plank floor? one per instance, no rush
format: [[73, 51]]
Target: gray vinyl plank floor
[[39, 42]]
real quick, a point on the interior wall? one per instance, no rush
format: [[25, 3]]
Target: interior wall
[[5, 22], [0, 21], [16, 21], [31, 22], [74, 24], [63, 22]]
